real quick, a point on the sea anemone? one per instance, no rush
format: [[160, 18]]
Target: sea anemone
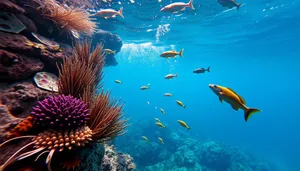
[[76, 117], [68, 18], [60, 112]]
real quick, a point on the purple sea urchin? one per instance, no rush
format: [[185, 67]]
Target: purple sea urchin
[[60, 112]]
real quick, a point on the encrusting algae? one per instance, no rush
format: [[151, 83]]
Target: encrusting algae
[[74, 118]]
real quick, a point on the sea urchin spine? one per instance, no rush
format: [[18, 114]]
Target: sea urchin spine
[[60, 112]]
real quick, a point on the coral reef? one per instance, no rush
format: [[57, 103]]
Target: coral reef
[[114, 161], [64, 124], [183, 153]]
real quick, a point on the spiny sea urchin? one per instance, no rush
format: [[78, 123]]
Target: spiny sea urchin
[[60, 112]]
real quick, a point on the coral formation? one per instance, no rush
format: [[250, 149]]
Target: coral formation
[[63, 117], [180, 152], [113, 161]]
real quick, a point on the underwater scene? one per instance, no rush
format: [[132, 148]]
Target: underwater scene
[[149, 85]]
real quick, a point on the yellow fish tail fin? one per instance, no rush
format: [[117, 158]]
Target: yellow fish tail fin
[[249, 112], [181, 53], [120, 12], [191, 4]]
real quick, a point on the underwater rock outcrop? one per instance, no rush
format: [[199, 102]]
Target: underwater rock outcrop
[[110, 41], [180, 152], [116, 161], [19, 98]]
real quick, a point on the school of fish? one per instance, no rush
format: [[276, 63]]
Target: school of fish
[[223, 93]]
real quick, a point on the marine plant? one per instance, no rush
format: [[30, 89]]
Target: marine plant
[[76, 117], [67, 18]]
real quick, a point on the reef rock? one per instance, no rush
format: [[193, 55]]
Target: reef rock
[[109, 41], [21, 45], [10, 7], [7, 122], [114, 161], [30, 26], [15, 67], [20, 97]]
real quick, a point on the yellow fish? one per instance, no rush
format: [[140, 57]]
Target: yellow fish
[[168, 94], [161, 140], [118, 81], [182, 123], [160, 124], [180, 103], [145, 87], [109, 51], [171, 54], [236, 101], [145, 138], [162, 111], [157, 120]]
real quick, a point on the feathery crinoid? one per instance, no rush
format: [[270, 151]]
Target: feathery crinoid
[[76, 117], [105, 118], [69, 18], [83, 72]]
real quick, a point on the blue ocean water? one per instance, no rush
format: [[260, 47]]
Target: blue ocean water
[[254, 50]]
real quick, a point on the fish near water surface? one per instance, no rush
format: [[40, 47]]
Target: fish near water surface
[[118, 82], [171, 54], [145, 87], [201, 70], [177, 7], [110, 13], [170, 76], [229, 4], [168, 94], [231, 97]]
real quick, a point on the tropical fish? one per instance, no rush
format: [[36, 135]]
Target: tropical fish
[[160, 124], [109, 51], [171, 54], [118, 81], [162, 111], [229, 3], [235, 100], [182, 123], [145, 87], [177, 7], [201, 70], [170, 76], [161, 140], [180, 103], [110, 13], [148, 102], [168, 94], [157, 120], [145, 138]]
